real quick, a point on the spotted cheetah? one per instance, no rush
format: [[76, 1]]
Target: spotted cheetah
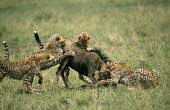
[[58, 59], [82, 43], [7, 59], [120, 73], [25, 69], [53, 47]]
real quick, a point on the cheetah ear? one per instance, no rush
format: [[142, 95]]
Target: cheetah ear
[[89, 37], [107, 62]]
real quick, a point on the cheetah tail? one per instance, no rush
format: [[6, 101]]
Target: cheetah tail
[[38, 40], [6, 51]]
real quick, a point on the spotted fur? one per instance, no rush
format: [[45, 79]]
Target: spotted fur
[[83, 41], [25, 69], [114, 73], [7, 59], [50, 48], [53, 47]]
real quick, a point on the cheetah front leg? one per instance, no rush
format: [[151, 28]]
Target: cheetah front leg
[[61, 57], [108, 81], [27, 87]]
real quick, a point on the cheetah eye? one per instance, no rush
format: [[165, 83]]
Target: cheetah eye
[[47, 57], [57, 39]]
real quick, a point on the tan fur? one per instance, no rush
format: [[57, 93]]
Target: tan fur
[[53, 47], [115, 73], [25, 69], [83, 40]]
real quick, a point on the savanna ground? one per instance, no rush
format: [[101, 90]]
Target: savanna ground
[[136, 32]]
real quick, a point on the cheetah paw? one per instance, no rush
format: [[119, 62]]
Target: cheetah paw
[[72, 53]]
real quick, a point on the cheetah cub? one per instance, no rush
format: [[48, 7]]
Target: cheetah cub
[[114, 73], [25, 69]]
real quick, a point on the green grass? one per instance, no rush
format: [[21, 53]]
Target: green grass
[[135, 32]]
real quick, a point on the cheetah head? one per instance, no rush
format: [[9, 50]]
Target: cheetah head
[[83, 40], [107, 67], [56, 40], [104, 73], [45, 59]]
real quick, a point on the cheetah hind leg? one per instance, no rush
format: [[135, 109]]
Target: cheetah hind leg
[[27, 87]]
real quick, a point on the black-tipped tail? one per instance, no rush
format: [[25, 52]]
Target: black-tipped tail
[[38, 40], [6, 51]]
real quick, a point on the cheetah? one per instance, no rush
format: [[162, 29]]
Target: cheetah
[[25, 69], [7, 59], [82, 43], [59, 56], [121, 73], [53, 47]]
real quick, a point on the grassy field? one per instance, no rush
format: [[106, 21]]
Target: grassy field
[[136, 32]]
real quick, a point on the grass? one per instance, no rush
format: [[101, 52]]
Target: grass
[[135, 32]]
